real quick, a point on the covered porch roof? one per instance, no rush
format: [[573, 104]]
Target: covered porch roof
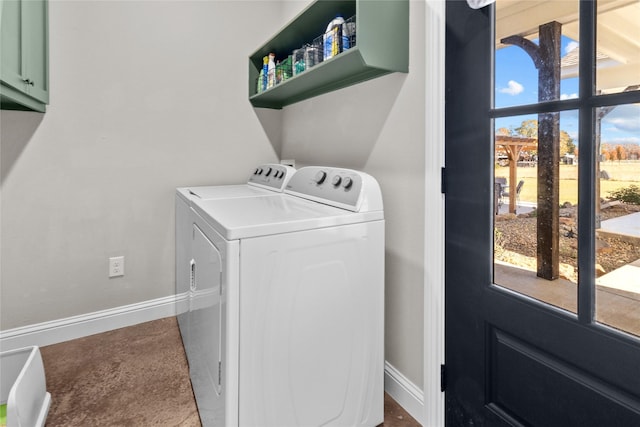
[[618, 44]]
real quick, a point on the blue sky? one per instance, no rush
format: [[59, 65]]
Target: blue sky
[[517, 84]]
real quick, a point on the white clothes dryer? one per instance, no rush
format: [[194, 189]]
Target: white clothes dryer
[[287, 316], [265, 179]]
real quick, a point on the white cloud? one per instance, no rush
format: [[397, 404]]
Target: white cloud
[[625, 124], [626, 140], [571, 46], [568, 96], [514, 88], [624, 118]]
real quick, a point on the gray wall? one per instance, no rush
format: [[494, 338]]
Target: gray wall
[[379, 127], [145, 97]]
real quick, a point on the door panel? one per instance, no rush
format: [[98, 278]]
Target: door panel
[[511, 358], [36, 50], [311, 316], [11, 43], [205, 328], [557, 392]]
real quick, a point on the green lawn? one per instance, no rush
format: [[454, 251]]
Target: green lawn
[[621, 174]]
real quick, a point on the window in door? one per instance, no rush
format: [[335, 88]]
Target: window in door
[[567, 159]]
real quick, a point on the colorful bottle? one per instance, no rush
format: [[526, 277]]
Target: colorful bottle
[[333, 38], [260, 85], [271, 71], [265, 72]]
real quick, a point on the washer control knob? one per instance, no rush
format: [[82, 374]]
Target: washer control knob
[[320, 177], [268, 172], [347, 183], [336, 180], [256, 171]]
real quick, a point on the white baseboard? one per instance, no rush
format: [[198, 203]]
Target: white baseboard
[[403, 391], [70, 328]]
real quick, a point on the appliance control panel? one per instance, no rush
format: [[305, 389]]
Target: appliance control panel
[[271, 176], [343, 188]]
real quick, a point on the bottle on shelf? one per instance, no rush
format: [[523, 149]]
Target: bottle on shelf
[[312, 55], [260, 83], [333, 38], [265, 72], [271, 71], [298, 61]]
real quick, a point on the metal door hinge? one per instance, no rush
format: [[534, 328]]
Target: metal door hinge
[[443, 377], [443, 181]]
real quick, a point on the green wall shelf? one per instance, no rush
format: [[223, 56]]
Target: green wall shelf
[[382, 47]]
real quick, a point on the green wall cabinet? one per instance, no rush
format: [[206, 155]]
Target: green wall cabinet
[[24, 68], [382, 47]]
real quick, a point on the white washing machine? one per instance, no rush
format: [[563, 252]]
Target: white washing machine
[[287, 314], [265, 179]]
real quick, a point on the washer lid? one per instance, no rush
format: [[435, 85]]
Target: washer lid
[[274, 214], [264, 179], [221, 192]]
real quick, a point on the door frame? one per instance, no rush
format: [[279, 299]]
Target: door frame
[[433, 319]]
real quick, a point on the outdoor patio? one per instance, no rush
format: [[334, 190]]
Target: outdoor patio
[[617, 308], [617, 292]]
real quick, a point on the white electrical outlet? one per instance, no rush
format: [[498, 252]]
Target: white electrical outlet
[[116, 266]]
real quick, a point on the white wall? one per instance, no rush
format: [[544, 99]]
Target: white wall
[[145, 96], [379, 127]]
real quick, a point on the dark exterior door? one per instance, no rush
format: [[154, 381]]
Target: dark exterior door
[[524, 344]]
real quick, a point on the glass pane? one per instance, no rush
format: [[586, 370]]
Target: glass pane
[[535, 198], [521, 28], [618, 218], [618, 46]]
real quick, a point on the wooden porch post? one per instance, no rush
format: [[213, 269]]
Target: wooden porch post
[[546, 57]]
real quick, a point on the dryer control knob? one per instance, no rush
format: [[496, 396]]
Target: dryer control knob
[[347, 183], [320, 177], [268, 172], [336, 180]]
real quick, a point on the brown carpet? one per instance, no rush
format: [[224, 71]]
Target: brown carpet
[[135, 376]]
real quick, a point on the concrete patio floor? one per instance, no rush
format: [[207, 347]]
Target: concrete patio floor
[[626, 226], [617, 308], [617, 292]]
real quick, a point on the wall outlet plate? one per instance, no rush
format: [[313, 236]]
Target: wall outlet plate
[[116, 266]]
